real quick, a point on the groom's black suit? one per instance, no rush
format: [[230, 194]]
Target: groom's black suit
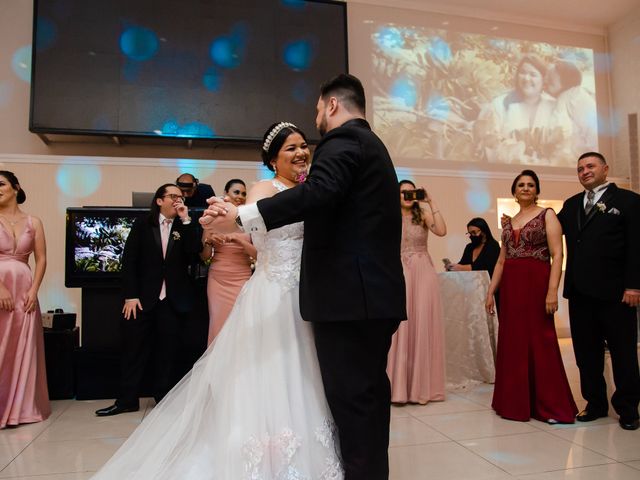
[[603, 259], [157, 327], [351, 282]]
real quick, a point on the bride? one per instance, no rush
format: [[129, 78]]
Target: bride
[[253, 407]]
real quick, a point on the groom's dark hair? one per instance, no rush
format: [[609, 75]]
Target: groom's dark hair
[[348, 89]]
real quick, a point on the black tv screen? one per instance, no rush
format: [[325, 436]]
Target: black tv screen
[[215, 69], [95, 243]]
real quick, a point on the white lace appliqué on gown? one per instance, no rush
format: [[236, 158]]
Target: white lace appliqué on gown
[[253, 406]]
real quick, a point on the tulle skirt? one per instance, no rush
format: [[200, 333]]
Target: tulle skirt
[[253, 407]]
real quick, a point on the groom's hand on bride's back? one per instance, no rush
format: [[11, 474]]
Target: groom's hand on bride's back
[[219, 217]]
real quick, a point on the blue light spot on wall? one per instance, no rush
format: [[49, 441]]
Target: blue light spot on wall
[[78, 181], [21, 63], [438, 108], [227, 51], [201, 169], [47, 33], [264, 173], [389, 38], [477, 196], [53, 294], [296, 4], [298, 55], [404, 91], [302, 92], [602, 62], [139, 43], [404, 173], [212, 79], [440, 51]]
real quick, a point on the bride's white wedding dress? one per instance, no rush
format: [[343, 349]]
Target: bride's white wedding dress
[[253, 407]]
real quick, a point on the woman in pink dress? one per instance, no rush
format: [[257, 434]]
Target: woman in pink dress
[[416, 358], [530, 376], [231, 258], [24, 397]]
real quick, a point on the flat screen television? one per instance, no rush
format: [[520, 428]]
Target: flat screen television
[[215, 69], [95, 239]]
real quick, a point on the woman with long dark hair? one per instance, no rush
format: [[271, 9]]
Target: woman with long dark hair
[[416, 357], [482, 251]]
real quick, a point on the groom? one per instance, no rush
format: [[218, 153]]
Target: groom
[[351, 280]]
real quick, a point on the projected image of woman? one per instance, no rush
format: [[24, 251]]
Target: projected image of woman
[[575, 107], [518, 127]]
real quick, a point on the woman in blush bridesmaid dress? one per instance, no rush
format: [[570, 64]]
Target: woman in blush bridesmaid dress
[[24, 397], [530, 376], [231, 258], [416, 358]]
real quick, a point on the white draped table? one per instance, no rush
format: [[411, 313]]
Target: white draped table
[[470, 333]]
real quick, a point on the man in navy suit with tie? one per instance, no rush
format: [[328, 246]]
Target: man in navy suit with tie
[[158, 294], [602, 282]]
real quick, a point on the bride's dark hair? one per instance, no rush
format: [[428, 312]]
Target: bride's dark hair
[[416, 210], [277, 142]]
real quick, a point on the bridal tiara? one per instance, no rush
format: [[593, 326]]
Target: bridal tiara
[[273, 133]]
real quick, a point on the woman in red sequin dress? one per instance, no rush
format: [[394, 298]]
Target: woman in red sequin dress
[[530, 376]]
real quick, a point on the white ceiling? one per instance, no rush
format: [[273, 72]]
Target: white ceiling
[[588, 14]]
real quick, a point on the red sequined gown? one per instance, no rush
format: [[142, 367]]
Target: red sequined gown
[[530, 376]]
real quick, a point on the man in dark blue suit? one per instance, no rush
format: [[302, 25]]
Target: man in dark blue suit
[[602, 282]]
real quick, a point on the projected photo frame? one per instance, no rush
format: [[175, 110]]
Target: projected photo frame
[[446, 95]]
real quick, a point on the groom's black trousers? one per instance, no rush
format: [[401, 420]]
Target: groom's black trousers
[[353, 363]]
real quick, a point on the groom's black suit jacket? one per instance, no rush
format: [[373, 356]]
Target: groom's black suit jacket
[[603, 258], [144, 268], [351, 268]]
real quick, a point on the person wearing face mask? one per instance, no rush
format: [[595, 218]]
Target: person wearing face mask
[[482, 251], [232, 256]]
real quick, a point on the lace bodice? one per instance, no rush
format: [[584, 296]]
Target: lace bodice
[[280, 250], [414, 237], [528, 242]]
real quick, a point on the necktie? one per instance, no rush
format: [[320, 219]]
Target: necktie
[[590, 196], [165, 229]]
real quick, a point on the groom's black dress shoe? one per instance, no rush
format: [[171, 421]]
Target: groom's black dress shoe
[[629, 424], [115, 409], [589, 416]]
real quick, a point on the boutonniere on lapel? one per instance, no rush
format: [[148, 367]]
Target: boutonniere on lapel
[[601, 207], [176, 235]]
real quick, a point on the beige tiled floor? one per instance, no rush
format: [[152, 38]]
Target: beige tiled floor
[[460, 438]]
